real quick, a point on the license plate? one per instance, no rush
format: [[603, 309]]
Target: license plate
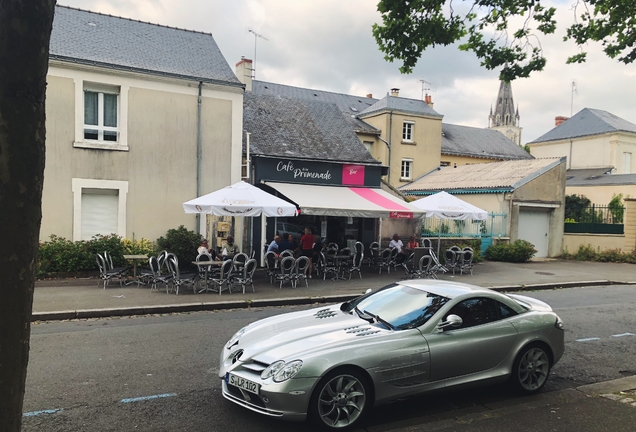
[[242, 383]]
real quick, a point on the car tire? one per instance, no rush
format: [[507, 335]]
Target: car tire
[[531, 369], [340, 400]]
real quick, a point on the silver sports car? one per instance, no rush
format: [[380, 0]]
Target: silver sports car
[[334, 363]]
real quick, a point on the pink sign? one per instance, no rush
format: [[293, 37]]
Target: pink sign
[[353, 175]]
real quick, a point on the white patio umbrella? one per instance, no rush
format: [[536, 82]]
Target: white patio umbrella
[[446, 206], [240, 199]]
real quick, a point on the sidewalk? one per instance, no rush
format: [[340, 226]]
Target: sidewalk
[[81, 298]]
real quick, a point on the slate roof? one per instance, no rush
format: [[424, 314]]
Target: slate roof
[[92, 38], [405, 105], [598, 177], [494, 176], [349, 105], [477, 142], [587, 122], [299, 128]]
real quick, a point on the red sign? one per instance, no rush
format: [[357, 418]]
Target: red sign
[[400, 215], [353, 175]]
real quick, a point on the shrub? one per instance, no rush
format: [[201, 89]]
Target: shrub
[[585, 253], [181, 242], [518, 251]]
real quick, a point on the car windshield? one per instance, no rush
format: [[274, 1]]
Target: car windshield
[[401, 306]]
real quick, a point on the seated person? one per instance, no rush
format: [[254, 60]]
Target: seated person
[[412, 244], [287, 243], [396, 243], [230, 249], [273, 246], [203, 249]]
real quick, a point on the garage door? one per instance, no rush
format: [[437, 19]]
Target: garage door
[[533, 227]]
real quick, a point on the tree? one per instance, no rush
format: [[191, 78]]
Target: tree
[[410, 27], [25, 30]]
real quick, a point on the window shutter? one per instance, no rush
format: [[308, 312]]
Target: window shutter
[[99, 213]]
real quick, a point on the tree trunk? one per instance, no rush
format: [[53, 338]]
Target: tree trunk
[[25, 30]]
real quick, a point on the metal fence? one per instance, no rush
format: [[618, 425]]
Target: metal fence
[[494, 226], [595, 219]]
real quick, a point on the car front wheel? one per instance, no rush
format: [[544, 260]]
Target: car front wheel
[[531, 369], [340, 400]]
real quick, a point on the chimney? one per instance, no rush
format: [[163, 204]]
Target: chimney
[[395, 92], [370, 96], [559, 119], [429, 100], [243, 72]]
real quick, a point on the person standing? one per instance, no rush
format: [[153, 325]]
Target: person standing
[[307, 248]]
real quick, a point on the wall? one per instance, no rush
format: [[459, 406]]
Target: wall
[[424, 150], [159, 163], [600, 242], [596, 151], [602, 195]]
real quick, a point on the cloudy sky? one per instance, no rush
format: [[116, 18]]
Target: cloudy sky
[[328, 45]]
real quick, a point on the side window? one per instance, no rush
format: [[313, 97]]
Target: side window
[[476, 311]]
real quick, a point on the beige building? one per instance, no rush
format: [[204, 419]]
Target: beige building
[[529, 193], [135, 126]]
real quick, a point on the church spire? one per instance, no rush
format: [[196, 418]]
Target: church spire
[[504, 114]]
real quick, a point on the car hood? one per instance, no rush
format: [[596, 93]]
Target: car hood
[[298, 335], [536, 305]]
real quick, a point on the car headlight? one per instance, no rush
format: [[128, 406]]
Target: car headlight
[[558, 324], [288, 372], [272, 369], [235, 338]]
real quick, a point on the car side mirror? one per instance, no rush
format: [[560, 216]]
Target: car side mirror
[[451, 321]]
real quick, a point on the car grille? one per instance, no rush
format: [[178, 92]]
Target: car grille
[[255, 366], [325, 313]]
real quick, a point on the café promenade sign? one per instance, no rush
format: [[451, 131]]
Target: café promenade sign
[[320, 173]]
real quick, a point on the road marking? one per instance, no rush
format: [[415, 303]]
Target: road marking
[[36, 413], [588, 339], [143, 398], [623, 334]]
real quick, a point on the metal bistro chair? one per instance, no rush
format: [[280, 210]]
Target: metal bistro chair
[[105, 274], [436, 266], [286, 253], [327, 266], [181, 279], [466, 262], [301, 269], [287, 266], [452, 258], [410, 270], [156, 276], [270, 265], [204, 271], [393, 258], [109, 263], [385, 260], [247, 277], [355, 264], [374, 254], [224, 278]]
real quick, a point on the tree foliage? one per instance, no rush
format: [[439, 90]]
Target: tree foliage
[[576, 206], [410, 27]]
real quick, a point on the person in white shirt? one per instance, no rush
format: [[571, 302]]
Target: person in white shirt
[[396, 243], [203, 249], [273, 246]]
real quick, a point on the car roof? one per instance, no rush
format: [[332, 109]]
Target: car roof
[[446, 288]]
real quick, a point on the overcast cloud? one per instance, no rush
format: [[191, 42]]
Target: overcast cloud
[[328, 45]]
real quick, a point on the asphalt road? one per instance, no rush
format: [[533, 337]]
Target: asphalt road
[[86, 375]]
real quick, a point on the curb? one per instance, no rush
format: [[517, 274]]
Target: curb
[[288, 301]]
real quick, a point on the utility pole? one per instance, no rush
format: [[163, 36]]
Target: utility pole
[[256, 36]]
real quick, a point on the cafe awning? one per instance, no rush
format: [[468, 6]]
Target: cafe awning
[[346, 201]]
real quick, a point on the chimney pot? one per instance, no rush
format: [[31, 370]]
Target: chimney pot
[[395, 92], [559, 119], [370, 95]]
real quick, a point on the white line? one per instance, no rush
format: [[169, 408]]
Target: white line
[[588, 339], [623, 334], [143, 398], [35, 413]]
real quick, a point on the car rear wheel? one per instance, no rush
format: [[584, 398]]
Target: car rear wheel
[[531, 369], [340, 400]]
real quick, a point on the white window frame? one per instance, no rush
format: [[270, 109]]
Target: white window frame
[[78, 184], [111, 86], [408, 164], [407, 131]]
